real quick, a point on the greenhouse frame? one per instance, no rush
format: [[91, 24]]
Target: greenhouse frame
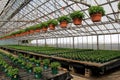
[[18, 17]]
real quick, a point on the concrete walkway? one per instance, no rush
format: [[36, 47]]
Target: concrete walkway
[[79, 78]]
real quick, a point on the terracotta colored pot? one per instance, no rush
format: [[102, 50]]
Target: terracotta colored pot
[[17, 35], [44, 29], [51, 27], [26, 32], [63, 24], [32, 31], [96, 17], [77, 21], [37, 30]]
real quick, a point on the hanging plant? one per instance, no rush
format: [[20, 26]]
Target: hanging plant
[[64, 20], [44, 26], [77, 17], [52, 24], [37, 27], [119, 5], [96, 12]]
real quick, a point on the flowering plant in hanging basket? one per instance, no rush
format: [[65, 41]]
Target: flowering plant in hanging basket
[[44, 26], [119, 5], [96, 12], [21, 32], [52, 24], [77, 17], [64, 20], [37, 27]]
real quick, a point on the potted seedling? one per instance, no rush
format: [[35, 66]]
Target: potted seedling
[[44, 26], [64, 20], [46, 63], [77, 17], [29, 67], [13, 73], [38, 72], [52, 24], [27, 59], [54, 67], [23, 64], [6, 66], [15, 60], [96, 12], [32, 60], [37, 62]]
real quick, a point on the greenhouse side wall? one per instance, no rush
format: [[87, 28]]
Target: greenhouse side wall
[[8, 42]]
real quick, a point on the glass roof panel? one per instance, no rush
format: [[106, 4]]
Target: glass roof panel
[[43, 10]]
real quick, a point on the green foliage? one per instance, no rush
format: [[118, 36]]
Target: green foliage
[[22, 30], [37, 61], [34, 27], [29, 65], [98, 56], [23, 63], [38, 26], [12, 72], [77, 14], [96, 9], [53, 21], [46, 62], [119, 5], [37, 70], [44, 24], [32, 59], [64, 18], [55, 65]]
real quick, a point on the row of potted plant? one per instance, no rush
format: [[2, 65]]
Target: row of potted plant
[[46, 50], [96, 12], [11, 72], [20, 61], [46, 63], [36, 69], [92, 56], [76, 54]]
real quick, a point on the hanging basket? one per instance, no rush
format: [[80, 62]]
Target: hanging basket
[[17, 35], [77, 21], [51, 27], [25, 33], [44, 29], [63, 24], [96, 17], [37, 30], [21, 34], [32, 31]]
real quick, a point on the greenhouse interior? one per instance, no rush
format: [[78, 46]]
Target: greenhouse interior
[[59, 39]]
